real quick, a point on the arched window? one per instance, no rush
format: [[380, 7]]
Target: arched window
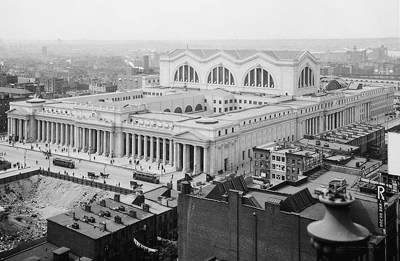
[[188, 108], [220, 75], [178, 110], [167, 110], [306, 78], [198, 107], [186, 73], [259, 77]]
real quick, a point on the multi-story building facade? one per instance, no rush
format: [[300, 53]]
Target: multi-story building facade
[[139, 81], [212, 109]]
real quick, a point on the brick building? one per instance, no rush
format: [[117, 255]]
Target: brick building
[[233, 220], [113, 230]]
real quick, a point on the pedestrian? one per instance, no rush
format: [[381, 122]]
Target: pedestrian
[[94, 158], [36, 162], [119, 184], [73, 174], [164, 171], [104, 181]]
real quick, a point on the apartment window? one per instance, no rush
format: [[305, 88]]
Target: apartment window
[[219, 133], [254, 102], [220, 102], [230, 108], [226, 131], [205, 100], [283, 159], [240, 101], [226, 101], [215, 101], [230, 101], [273, 176], [244, 101], [233, 130], [278, 158], [205, 108], [226, 109], [215, 109], [219, 110], [273, 157]]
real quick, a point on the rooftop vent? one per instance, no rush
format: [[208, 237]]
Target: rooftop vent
[[102, 226], [146, 207], [92, 220], [132, 213], [117, 219], [107, 213], [75, 226], [117, 197], [88, 208], [103, 203], [121, 208]]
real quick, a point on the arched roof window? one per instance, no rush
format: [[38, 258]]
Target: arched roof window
[[186, 73], [220, 75], [306, 78], [259, 77]]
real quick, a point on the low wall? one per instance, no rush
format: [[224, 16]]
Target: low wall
[[346, 170], [85, 182], [22, 247]]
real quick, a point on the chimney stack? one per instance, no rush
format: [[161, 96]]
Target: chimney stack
[[103, 203], [146, 207], [88, 208], [117, 219], [117, 197]]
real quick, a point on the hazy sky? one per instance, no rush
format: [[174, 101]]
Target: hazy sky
[[203, 19]]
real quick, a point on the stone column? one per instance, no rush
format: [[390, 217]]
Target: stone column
[[171, 153], [98, 142], [164, 159], [176, 157], [119, 145], [112, 149], [26, 133], [158, 152], [127, 147], [145, 148], [104, 143], [57, 133], [195, 160], [47, 131], [90, 140], [185, 158], [206, 161], [84, 140], [20, 129], [39, 131], [139, 141], [151, 149], [71, 136], [62, 125], [9, 131], [76, 143], [133, 145]]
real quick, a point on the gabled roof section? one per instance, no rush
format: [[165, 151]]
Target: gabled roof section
[[298, 201], [191, 135], [240, 54], [237, 183], [289, 55], [17, 112]]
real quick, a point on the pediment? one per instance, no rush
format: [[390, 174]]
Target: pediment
[[191, 136], [17, 112]]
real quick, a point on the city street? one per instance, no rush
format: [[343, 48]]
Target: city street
[[120, 170]]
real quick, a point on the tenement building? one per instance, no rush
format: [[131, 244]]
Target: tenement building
[[211, 109]]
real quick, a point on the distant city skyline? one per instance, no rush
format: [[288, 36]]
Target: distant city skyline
[[200, 20]]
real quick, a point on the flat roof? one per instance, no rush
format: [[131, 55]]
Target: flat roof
[[332, 145], [93, 230], [43, 251]]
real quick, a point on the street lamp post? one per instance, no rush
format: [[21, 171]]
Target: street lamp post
[[24, 158]]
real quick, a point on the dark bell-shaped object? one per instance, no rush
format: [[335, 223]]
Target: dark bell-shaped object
[[337, 227]]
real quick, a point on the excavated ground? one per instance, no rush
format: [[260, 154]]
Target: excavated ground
[[26, 204]]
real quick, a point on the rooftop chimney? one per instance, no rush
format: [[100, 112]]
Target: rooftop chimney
[[146, 207], [117, 219], [88, 208], [185, 187], [102, 226], [132, 213], [117, 197], [103, 203]]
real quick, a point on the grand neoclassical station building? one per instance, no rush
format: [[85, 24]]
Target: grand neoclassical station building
[[211, 108]]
